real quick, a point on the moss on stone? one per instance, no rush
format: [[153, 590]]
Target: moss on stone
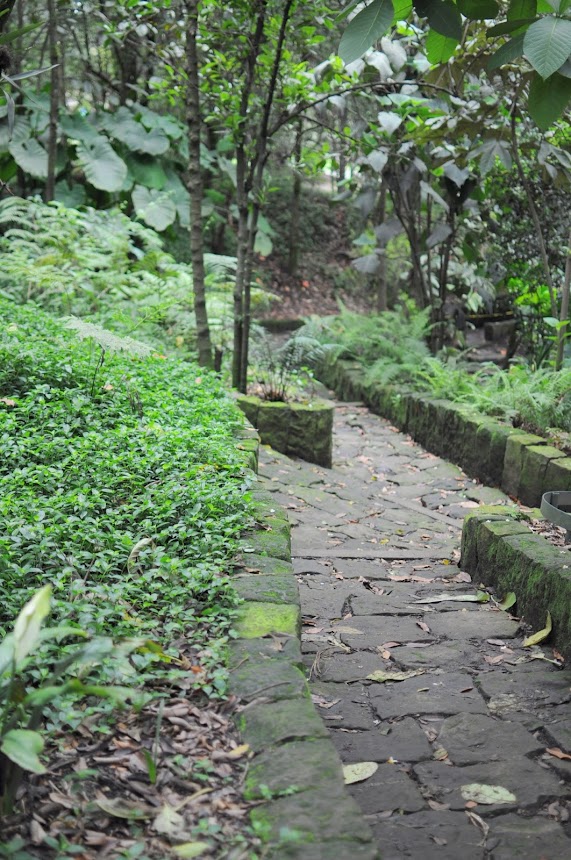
[[275, 542], [261, 619]]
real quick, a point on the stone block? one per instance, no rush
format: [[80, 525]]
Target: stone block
[[267, 588], [262, 619], [535, 460], [558, 474], [264, 725], [513, 459]]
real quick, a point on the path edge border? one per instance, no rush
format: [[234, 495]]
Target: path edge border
[[295, 774]]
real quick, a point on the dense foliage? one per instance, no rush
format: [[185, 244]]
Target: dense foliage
[[121, 485], [392, 349]]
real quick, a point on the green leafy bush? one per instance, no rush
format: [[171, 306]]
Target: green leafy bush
[[392, 349], [129, 501]]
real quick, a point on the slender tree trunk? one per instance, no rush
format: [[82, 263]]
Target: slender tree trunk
[[195, 186], [6, 7], [534, 216], [381, 297], [242, 253], [564, 316], [54, 99], [293, 250]]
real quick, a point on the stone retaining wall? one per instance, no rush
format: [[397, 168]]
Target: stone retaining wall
[[499, 549], [305, 811], [523, 465]]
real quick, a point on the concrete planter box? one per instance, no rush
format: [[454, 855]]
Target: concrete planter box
[[301, 429]]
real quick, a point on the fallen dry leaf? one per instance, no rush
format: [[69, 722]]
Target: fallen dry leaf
[[423, 626], [557, 753], [359, 771]]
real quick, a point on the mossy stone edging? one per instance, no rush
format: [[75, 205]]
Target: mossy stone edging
[[523, 465], [301, 429], [308, 813], [499, 549]]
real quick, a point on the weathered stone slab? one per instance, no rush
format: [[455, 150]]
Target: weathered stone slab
[[474, 625], [252, 561], [378, 629], [404, 741], [471, 738], [344, 705], [530, 783], [325, 850], [301, 764], [256, 619], [529, 686], [265, 725], [513, 459], [267, 588], [560, 731], [328, 810], [512, 837], [388, 789], [429, 836], [274, 680], [449, 693], [453, 655], [535, 461], [349, 667], [558, 474]]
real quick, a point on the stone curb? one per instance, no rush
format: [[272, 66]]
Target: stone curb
[[521, 464], [305, 810], [499, 549]]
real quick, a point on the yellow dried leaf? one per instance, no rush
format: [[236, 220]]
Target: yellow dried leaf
[[359, 772], [541, 635], [240, 751]]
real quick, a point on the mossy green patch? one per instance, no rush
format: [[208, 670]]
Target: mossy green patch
[[261, 619]]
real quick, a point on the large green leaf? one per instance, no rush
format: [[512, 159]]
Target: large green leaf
[[402, 8], [122, 126], [508, 27], [102, 166], [146, 171], [548, 99], [547, 44], [77, 127], [370, 24], [22, 747], [439, 48], [442, 15], [522, 9], [150, 119], [508, 52], [478, 10], [179, 195], [155, 208], [30, 156]]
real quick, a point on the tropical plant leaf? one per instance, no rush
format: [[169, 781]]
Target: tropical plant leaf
[[155, 208], [367, 26], [509, 600], [102, 166], [108, 341], [519, 9], [478, 10], [547, 44], [541, 635], [439, 48], [548, 99], [23, 747], [508, 52], [30, 155], [28, 623]]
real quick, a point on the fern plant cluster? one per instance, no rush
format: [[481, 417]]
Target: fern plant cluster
[[110, 269], [392, 348]]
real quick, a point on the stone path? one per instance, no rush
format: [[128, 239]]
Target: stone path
[[372, 538]]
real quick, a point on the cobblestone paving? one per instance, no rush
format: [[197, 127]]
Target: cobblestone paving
[[372, 538]]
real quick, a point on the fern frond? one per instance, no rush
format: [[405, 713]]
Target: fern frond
[[106, 339]]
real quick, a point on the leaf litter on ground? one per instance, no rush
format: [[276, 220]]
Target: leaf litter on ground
[[541, 635], [359, 772]]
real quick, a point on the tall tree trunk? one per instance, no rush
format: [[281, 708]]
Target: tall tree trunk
[[293, 250], [195, 186], [6, 7], [241, 253], [564, 316], [54, 99], [381, 297]]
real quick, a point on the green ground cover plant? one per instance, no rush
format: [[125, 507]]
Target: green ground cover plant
[[121, 486], [392, 348]]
